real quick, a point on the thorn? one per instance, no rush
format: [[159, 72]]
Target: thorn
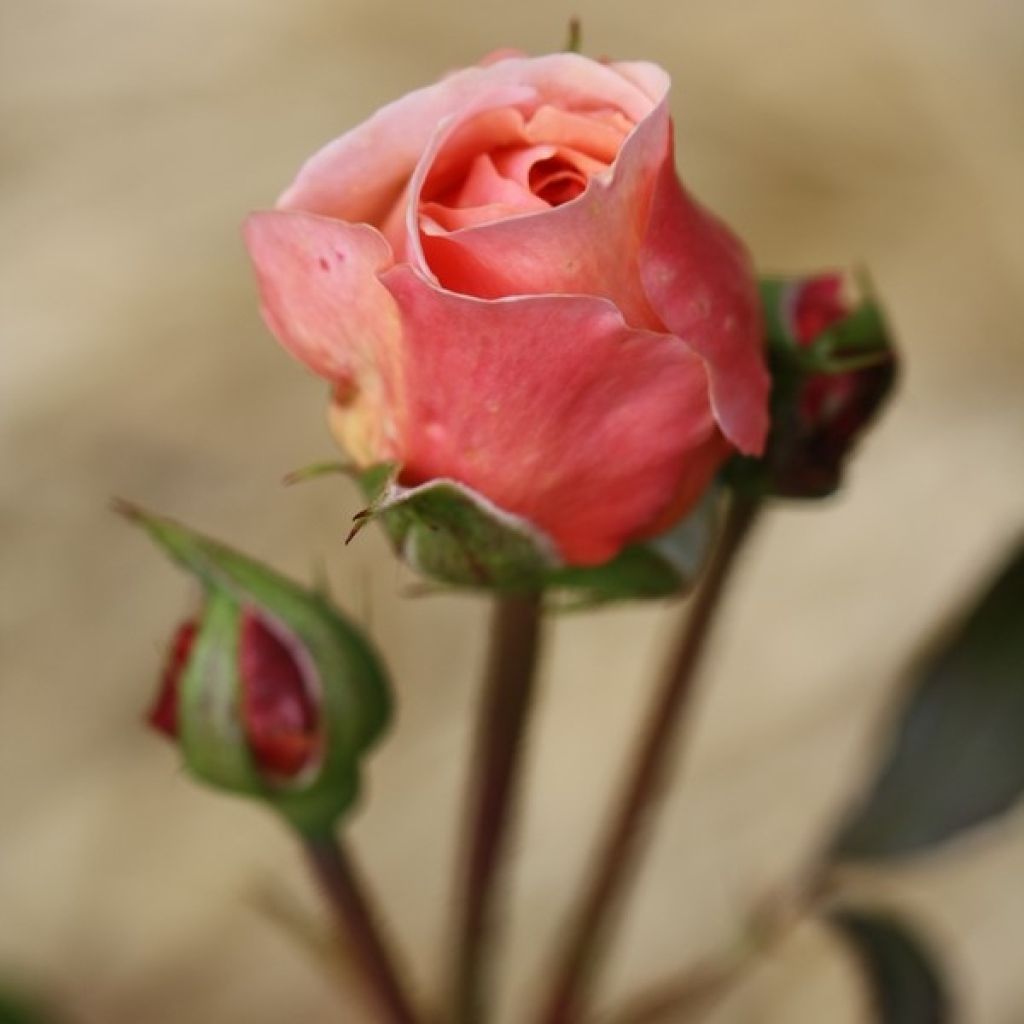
[[358, 522]]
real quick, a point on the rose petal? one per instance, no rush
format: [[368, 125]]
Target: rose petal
[[551, 407], [519, 164], [815, 305], [323, 300], [699, 280], [359, 176], [598, 134], [278, 706], [163, 715], [589, 246], [649, 78], [486, 184]]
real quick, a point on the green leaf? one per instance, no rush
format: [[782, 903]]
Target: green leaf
[[17, 1009], [955, 755], [906, 986]]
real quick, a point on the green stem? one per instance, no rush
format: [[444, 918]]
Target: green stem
[[619, 851], [336, 875], [494, 781]]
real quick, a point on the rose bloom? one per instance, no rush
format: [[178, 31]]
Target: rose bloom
[[505, 284]]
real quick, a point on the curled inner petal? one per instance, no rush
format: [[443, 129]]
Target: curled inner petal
[[278, 706], [556, 181], [163, 716], [500, 163]]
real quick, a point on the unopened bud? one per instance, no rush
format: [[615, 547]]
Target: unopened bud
[[270, 691], [832, 365]]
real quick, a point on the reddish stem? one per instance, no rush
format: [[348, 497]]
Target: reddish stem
[[623, 841], [494, 782], [359, 924]]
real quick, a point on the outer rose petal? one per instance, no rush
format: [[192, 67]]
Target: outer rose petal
[[699, 280], [553, 408], [323, 300], [360, 176]]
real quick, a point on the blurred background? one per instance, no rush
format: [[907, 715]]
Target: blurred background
[[136, 136]]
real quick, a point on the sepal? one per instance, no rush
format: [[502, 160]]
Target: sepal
[[450, 534]]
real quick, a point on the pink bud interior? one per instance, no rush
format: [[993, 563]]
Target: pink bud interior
[[277, 704], [163, 715]]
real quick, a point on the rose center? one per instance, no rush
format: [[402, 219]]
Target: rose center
[[556, 181]]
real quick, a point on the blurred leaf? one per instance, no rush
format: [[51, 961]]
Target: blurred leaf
[[16, 1009], [956, 755], [906, 985]]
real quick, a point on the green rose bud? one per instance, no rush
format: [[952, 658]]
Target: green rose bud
[[270, 691]]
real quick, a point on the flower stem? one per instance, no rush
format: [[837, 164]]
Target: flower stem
[[332, 866], [494, 777], [618, 852]]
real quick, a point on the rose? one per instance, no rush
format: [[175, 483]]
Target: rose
[[506, 286]]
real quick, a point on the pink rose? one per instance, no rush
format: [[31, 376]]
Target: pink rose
[[506, 285]]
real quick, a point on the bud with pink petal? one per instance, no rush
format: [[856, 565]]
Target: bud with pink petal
[[833, 366], [269, 690]]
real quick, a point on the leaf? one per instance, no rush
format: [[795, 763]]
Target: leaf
[[955, 755], [16, 1009], [906, 986]]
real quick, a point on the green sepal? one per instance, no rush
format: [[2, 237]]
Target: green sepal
[[449, 533], [355, 703], [665, 566], [211, 733], [860, 340]]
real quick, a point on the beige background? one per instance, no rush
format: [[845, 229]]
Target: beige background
[[136, 135]]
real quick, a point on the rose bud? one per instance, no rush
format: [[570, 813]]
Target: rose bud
[[278, 698], [522, 313], [833, 365], [269, 691]]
